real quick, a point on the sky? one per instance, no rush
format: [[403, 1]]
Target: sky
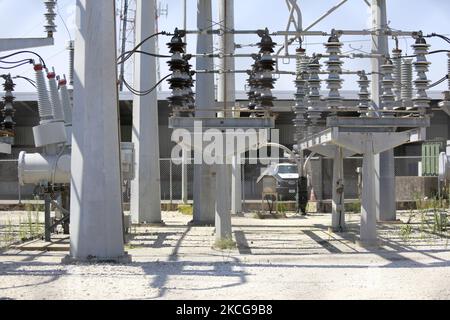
[[25, 18]]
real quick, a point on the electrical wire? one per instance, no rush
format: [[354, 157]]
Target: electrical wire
[[16, 66], [22, 52], [127, 55], [438, 82], [429, 53], [141, 52], [146, 92], [32, 82], [15, 62], [63, 21]]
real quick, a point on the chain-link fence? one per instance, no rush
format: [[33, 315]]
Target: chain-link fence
[[172, 181]]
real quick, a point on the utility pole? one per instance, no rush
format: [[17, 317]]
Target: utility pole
[[96, 232], [204, 184], [384, 162], [145, 188], [124, 17]]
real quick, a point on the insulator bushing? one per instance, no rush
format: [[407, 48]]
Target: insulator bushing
[[448, 70], [300, 108], [44, 105], [176, 44], [407, 83], [387, 85], [181, 82], [364, 95], [334, 66], [314, 108], [50, 16], [8, 125], [397, 76], [264, 68], [57, 109], [421, 65]]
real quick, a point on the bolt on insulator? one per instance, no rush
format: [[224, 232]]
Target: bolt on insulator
[[387, 84], [421, 65], [8, 125], [44, 105], [397, 77], [314, 108], [364, 95], [334, 66], [407, 83], [50, 16]]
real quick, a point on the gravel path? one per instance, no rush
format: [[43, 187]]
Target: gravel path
[[276, 259]]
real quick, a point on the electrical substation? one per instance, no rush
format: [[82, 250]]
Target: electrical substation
[[336, 171]]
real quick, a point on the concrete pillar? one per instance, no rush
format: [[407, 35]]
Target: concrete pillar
[[368, 202], [338, 206], [236, 186], [184, 178], [96, 203], [204, 180], [145, 188], [223, 217], [226, 100], [385, 165]]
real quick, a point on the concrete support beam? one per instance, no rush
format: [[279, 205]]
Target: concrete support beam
[[368, 235], [338, 206], [184, 177], [96, 203], [223, 217], [204, 184], [145, 188], [236, 186]]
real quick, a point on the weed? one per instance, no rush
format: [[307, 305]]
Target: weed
[[187, 210], [225, 244]]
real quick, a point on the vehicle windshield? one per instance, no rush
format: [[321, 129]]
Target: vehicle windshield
[[287, 169]]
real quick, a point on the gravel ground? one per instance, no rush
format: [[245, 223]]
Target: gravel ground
[[292, 258]]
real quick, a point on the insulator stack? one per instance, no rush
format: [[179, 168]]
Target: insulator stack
[[448, 70], [180, 79], [265, 67], [314, 107], [44, 105], [334, 66], [397, 76], [65, 100], [57, 110], [387, 85], [421, 65], [364, 95], [300, 108], [252, 88], [50, 16], [407, 83], [71, 48], [8, 125]]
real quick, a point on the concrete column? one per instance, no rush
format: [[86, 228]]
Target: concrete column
[[223, 217], [96, 203], [236, 186], [227, 81], [184, 178], [385, 165], [145, 188], [204, 180], [368, 202], [338, 207]]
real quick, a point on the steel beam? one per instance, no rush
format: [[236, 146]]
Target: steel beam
[[5, 148], [96, 203], [25, 43], [145, 188]]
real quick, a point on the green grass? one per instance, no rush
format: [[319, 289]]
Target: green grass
[[225, 244], [185, 209]]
